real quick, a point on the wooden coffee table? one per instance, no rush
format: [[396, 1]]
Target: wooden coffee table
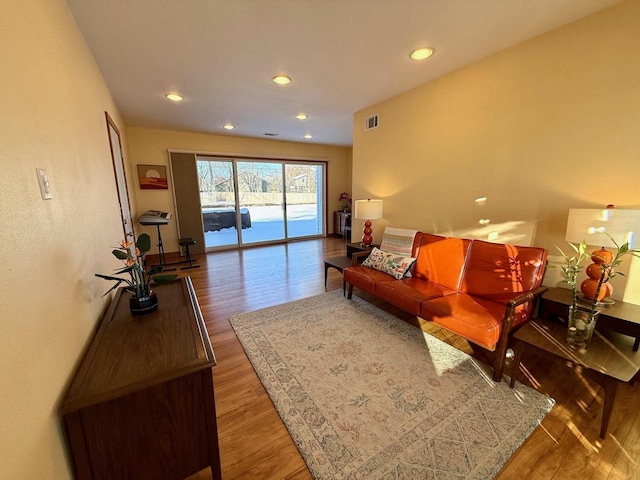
[[609, 358], [339, 263]]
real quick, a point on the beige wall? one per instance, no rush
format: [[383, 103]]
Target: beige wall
[[149, 146], [51, 116], [539, 128]]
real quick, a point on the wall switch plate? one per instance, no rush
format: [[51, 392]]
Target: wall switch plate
[[43, 180]]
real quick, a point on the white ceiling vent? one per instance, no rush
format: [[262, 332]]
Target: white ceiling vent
[[371, 122]]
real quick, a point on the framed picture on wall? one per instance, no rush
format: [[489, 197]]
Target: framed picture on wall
[[152, 177]]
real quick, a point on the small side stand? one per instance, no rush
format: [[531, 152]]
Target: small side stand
[[186, 242], [163, 260]]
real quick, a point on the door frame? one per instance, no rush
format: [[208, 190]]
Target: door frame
[[117, 159]]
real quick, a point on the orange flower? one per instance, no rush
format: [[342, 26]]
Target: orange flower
[[130, 261], [125, 244]]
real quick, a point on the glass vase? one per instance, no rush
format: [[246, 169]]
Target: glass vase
[[582, 323]]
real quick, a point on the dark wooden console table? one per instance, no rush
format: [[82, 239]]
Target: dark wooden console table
[[141, 405]]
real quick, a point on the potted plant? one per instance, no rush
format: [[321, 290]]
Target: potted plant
[[572, 267], [581, 322], [603, 269], [143, 299], [582, 319], [344, 196]]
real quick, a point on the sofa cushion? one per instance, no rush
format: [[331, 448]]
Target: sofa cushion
[[501, 272], [387, 262], [476, 319], [409, 293], [401, 241], [398, 240], [365, 277], [441, 260]]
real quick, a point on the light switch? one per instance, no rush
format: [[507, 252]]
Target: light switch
[[43, 180]]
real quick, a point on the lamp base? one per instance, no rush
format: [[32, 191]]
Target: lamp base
[[366, 234]]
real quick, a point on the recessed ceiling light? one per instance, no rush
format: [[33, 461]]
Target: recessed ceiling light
[[302, 116], [481, 200], [281, 79], [308, 135], [174, 97], [421, 53], [228, 126]]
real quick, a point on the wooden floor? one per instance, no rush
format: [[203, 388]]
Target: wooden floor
[[254, 443]]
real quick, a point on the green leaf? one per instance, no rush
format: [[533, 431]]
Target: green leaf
[[112, 288], [583, 248], [124, 270], [109, 277], [156, 269], [144, 243], [574, 247], [119, 254]]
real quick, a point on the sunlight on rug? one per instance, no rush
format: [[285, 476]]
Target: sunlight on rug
[[365, 395]]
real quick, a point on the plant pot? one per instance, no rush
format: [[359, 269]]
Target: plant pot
[[142, 305], [580, 327]]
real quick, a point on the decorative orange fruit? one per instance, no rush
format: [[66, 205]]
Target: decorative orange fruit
[[602, 255], [594, 271], [590, 285]]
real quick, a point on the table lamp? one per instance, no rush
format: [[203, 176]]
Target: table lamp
[[596, 227], [368, 210]]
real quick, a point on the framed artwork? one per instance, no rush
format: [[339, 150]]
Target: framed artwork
[[152, 177]]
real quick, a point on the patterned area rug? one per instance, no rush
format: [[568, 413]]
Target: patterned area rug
[[365, 395]]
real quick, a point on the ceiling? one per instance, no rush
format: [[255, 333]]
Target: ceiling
[[342, 55]]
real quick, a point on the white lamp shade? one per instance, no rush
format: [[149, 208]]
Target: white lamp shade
[[368, 209], [588, 224]]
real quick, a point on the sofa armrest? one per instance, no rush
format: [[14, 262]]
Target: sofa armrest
[[355, 258], [507, 321], [507, 325]]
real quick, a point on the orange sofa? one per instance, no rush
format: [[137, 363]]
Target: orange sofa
[[479, 290]]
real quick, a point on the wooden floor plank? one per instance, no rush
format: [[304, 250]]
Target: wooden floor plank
[[254, 443], [627, 463]]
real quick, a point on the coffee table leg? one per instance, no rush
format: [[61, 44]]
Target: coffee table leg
[[326, 269], [518, 349], [610, 386]]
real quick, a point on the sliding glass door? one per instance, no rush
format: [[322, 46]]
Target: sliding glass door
[[260, 194], [304, 200], [272, 201], [216, 179]]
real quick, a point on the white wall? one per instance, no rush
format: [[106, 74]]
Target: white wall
[[51, 116]]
